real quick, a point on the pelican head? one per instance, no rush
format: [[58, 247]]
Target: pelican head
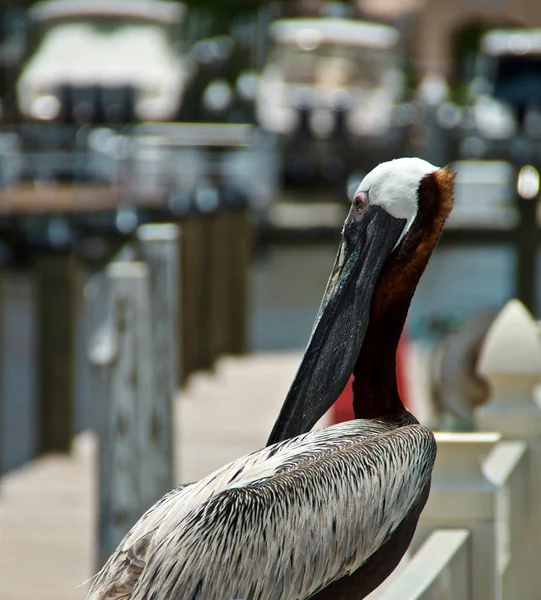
[[394, 223]]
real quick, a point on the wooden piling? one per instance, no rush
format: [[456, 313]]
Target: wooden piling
[[241, 240], [56, 301], [18, 369], [127, 490], [194, 293], [216, 253], [102, 352], [205, 356], [159, 250], [220, 267]]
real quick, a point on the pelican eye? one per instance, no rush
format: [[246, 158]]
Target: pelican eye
[[360, 201]]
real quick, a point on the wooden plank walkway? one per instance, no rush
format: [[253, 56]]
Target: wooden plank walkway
[[46, 526], [47, 509]]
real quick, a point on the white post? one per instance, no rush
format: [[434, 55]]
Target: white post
[[441, 569], [127, 485], [511, 362], [462, 497], [507, 467], [159, 250]]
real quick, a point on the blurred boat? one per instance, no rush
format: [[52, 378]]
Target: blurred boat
[[104, 61], [502, 117], [330, 91]]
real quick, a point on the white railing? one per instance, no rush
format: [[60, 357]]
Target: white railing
[[479, 537], [437, 570]]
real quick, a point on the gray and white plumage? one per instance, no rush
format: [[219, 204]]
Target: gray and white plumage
[[280, 523]]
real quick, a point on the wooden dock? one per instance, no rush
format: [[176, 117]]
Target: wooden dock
[[47, 515], [48, 508], [33, 198]]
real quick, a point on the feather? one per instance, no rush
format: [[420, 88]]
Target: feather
[[282, 522]]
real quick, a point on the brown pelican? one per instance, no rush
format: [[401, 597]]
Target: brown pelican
[[325, 514]]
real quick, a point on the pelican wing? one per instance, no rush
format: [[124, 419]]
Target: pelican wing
[[122, 571], [283, 522]]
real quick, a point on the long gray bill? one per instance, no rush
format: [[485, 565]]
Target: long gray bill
[[341, 323]]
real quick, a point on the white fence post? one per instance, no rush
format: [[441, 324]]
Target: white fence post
[[125, 350], [462, 497], [159, 250], [511, 362], [507, 467]]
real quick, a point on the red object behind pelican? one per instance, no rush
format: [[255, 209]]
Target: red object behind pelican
[[342, 409]]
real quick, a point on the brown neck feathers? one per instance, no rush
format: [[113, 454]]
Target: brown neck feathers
[[375, 392]]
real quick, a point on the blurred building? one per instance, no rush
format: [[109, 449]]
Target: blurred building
[[435, 26]]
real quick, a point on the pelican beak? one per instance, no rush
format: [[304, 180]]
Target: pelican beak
[[367, 241]]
